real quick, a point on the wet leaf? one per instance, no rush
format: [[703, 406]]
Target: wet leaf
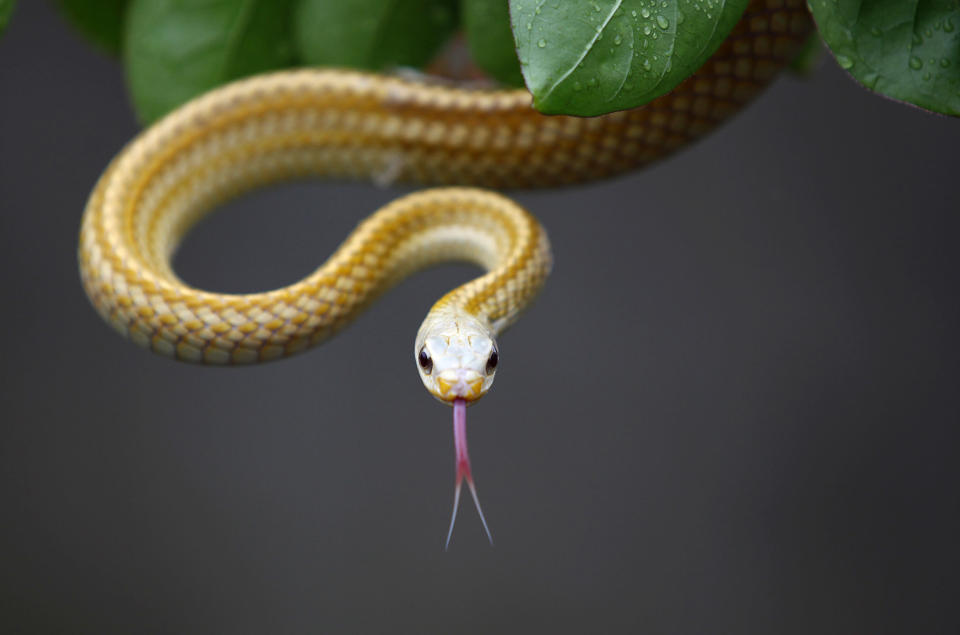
[[589, 57], [904, 49]]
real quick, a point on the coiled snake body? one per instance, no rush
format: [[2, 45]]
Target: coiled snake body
[[309, 123]]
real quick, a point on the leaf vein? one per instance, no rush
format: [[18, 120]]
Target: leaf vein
[[586, 51]]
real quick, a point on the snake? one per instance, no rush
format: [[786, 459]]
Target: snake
[[343, 124]]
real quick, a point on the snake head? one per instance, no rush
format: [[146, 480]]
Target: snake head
[[456, 355]]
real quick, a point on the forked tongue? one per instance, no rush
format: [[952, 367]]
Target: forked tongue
[[463, 467]]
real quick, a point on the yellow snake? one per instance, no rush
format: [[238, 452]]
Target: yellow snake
[[329, 123]]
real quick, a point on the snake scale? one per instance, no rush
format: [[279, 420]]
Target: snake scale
[[341, 124]]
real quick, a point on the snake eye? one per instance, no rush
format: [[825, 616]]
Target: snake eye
[[424, 360], [492, 361]]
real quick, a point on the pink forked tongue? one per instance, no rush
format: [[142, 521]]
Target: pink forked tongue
[[463, 467]]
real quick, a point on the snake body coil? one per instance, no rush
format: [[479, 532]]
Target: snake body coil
[[309, 123], [344, 124]]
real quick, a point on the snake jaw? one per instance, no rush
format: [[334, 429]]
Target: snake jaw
[[463, 469], [460, 384]]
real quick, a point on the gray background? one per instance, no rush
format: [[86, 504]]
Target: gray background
[[733, 409]]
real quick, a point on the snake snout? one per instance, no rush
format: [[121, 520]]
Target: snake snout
[[460, 383]]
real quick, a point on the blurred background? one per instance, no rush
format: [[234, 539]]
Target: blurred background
[[733, 410]]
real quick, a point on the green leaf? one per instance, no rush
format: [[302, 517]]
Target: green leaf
[[6, 10], [487, 24], [373, 34], [809, 57], [905, 49], [589, 57], [100, 21], [177, 49]]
